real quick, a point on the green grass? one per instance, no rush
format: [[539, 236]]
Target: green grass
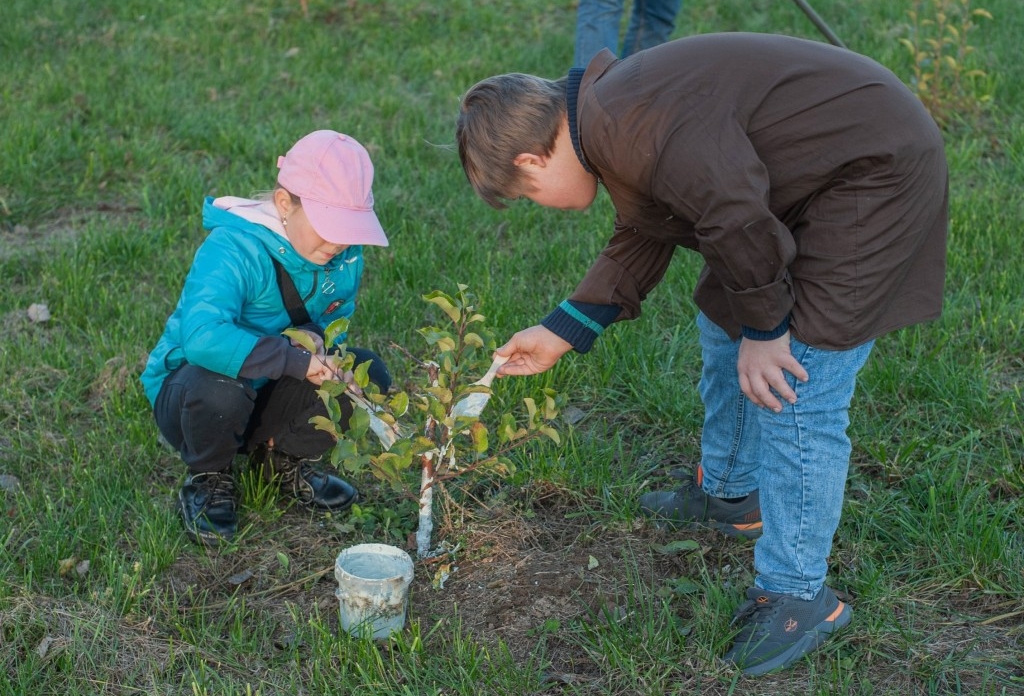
[[118, 117]]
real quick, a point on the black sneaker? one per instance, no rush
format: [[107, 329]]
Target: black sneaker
[[208, 506], [777, 630], [690, 505], [312, 487]]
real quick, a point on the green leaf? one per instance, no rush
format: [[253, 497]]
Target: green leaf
[[550, 408], [325, 424], [676, 546], [442, 394], [531, 407], [436, 409], [356, 464], [334, 329], [361, 375], [344, 451], [302, 338], [332, 388], [473, 339], [551, 433], [333, 409], [399, 404], [479, 435], [358, 422], [683, 585], [446, 303]]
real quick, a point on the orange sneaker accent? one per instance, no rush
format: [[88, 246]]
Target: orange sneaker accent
[[700, 475], [839, 610]]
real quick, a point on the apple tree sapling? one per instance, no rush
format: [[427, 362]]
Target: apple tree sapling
[[437, 422]]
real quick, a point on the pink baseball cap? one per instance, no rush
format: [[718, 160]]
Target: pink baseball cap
[[332, 174]]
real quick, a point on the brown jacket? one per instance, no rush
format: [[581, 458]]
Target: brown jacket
[[810, 179]]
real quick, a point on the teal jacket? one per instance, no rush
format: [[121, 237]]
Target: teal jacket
[[231, 299]]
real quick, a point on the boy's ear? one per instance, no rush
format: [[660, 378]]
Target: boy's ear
[[527, 158]]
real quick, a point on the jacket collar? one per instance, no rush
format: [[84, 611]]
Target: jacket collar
[[598, 64], [572, 91]]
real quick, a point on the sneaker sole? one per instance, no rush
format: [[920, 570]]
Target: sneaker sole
[[809, 642], [737, 531]]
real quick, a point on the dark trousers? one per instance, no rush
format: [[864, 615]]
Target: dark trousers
[[209, 417]]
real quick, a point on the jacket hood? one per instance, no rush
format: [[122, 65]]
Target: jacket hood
[[262, 213]]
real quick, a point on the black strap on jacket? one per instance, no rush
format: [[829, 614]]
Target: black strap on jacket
[[290, 294]]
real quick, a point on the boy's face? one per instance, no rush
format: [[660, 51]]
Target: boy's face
[[557, 180], [563, 190]]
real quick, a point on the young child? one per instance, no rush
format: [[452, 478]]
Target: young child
[[814, 185], [222, 379]]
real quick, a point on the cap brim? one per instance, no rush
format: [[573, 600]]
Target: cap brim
[[345, 225]]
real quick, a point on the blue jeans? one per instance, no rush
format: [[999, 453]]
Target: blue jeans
[[798, 458], [597, 26]]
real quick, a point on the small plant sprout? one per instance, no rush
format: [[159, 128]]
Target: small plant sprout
[[942, 58], [436, 424]]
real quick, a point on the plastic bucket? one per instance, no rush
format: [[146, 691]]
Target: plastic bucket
[[373, 589]]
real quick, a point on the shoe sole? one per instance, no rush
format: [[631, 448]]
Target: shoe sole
[[322, 508], [808, 643], [737, 531]]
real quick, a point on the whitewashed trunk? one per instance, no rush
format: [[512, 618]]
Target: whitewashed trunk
[[426, 523]]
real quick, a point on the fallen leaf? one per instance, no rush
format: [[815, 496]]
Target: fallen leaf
[[239, 578], [442, 574], [592, 563], [676, 546], [44, 646]]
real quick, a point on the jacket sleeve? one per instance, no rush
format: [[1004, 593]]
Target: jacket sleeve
[[218, 287], [626, 270]]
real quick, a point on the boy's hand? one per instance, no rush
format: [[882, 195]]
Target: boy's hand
[[532, 351], [760, 367]]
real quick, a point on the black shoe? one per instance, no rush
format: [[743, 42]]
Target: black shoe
[[209, 507], [310, 486], [690, 505]]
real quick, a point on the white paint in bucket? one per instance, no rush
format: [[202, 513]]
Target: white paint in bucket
[[373, 589]]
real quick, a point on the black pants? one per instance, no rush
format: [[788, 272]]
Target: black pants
[[209, 417]]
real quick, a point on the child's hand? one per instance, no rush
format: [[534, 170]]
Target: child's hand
[[761, 367], [347, 377], [317, 341], [319, 370]]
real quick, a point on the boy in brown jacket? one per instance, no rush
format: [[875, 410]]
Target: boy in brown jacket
[[814, 185]]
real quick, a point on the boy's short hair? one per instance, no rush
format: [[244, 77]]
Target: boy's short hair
[[503, 117]]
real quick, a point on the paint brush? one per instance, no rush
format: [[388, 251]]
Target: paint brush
[[472, 405], [387, 434]]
